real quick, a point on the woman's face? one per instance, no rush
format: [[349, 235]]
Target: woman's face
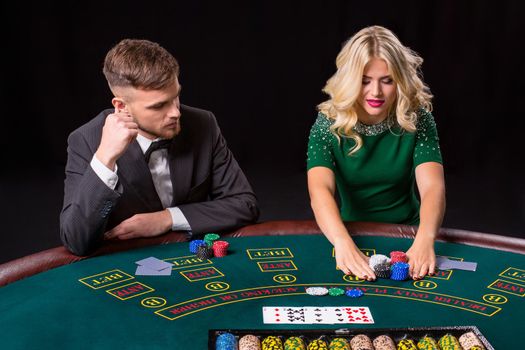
[[378, 92]]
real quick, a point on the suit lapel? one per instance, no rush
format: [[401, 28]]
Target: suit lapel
[[181, 167], [133, 168]]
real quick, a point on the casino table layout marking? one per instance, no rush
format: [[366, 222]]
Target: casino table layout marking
[[182, 309], [282, 259]]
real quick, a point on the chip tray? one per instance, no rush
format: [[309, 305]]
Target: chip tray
[[396, 334]]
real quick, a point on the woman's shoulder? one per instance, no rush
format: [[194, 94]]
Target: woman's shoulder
[[323, 121], [424, 119]]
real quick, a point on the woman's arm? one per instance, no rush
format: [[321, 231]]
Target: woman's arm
[[431, 185], [321, 186]]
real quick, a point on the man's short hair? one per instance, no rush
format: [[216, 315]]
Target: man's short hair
[[141, 64]]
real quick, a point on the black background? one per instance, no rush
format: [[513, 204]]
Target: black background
[[260, 67]]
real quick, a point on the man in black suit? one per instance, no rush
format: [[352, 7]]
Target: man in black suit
[[119, 185]]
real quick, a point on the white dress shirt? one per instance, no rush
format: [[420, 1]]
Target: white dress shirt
[[160, 173]]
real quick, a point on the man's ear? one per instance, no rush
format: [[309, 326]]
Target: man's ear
[[119, 104]]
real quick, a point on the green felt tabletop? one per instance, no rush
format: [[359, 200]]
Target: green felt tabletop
[[100, 303]]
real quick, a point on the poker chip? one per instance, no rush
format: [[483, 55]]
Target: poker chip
[[400, 271], [220, 248], [317, 291], [194, 245], [469, 341], [377, 259], [427, 343], [272, 343], [226, 341], [406, 344], [354, 293], [361, 342], [335, 292], [294, 343], [317, 344], [209, 238], [339, 344], [384, 342], [249, 342], [382, 270], [449, 342], [397, 256], [204, 252]]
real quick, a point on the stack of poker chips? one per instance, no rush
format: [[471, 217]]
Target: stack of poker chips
[[209, 238], [384, 342], [249, 342], [406, 344], [469, 341], [449, 342], [220, 248], [294, 343], [381, 265], [226, 341], [400, 271], [427, 343], [395, 267], [209, 247], [361, 341], [204, 252], [400, 267], [272, 343], [339, 344], [194, 245], [397, 256], [317, 344]]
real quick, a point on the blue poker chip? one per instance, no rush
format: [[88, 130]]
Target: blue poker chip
[[194, 245], [354, 293], [400, 271], [226, 341]]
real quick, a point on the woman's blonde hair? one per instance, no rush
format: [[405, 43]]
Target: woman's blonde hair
[[344, 87]]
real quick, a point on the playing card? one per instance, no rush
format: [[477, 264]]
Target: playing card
[[144, 271], [357, 314], [315, 314], [153, 263], [283, 315]]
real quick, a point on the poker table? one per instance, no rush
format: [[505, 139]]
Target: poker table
[[55, 299]]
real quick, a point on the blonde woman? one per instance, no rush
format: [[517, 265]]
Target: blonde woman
[[375, 139]]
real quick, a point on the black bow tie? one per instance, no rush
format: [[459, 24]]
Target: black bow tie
[[156, 146]]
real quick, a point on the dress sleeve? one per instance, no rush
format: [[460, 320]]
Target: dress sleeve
[[320, 144], [427, 140]]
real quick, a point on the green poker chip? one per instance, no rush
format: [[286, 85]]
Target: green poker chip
[[335, 292]]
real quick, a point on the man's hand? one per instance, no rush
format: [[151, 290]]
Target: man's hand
[[117, 134], [142, 225]]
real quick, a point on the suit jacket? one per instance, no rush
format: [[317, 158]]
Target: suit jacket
[[208, 185]]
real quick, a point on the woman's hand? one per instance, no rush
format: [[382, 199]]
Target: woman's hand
[[351, 260], [421, 257]]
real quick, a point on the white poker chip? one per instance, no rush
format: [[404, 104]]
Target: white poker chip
[[377, 259], [317, 291]]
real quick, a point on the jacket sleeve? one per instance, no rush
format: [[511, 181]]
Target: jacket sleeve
[[232, 202], [88, 202]]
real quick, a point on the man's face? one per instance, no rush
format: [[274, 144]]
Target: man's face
[[157, 112]]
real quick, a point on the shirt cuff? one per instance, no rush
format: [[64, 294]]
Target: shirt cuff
[[179, 222], [107, 176]]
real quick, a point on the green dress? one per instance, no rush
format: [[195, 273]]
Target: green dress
[[376, 183]]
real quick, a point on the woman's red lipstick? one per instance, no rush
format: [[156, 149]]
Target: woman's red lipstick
[[375, 103]]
